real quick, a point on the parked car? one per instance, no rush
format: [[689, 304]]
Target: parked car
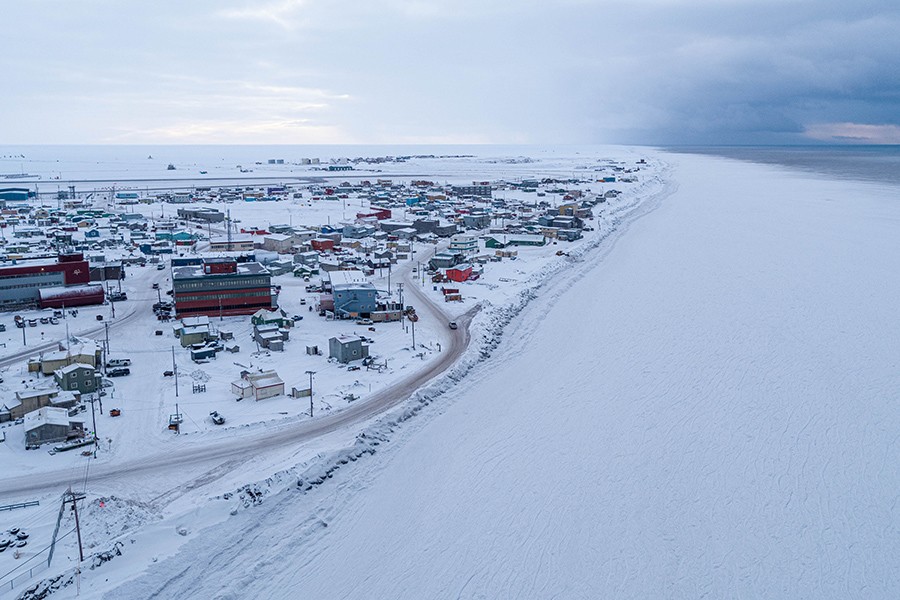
[[453, 325], [168, 373], [155, 286], [118, 362], [2, 327], [118, 372], [217, 418], [99, 317], [364, 321]]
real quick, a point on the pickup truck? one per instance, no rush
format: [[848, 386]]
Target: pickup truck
[[118, 362]]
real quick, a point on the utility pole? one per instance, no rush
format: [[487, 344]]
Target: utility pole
[[106, 327], [175, 372], [68, 496], [413, 321], [400, 287], [94, 420], [310, 373], [73, 498]]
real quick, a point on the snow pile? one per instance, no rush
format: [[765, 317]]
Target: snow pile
[[107, 519]]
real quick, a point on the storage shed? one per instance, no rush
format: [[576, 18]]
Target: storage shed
[[347, 348]]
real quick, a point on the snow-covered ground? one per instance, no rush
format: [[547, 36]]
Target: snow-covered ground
[[706, 410], [145, 480]]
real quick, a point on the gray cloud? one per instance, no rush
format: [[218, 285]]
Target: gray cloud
[[304, 71]]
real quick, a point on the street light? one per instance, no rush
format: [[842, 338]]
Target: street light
[[310, 373]]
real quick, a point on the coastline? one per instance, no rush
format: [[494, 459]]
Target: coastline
[[725, 397], [488, 332]]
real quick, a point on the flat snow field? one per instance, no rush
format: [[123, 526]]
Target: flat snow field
[[709, 412]]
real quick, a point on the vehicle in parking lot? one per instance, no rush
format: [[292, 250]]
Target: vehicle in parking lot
[[117, 296], [453, 325], [118, 372], [217, 418], [118, 362], [364, 321]]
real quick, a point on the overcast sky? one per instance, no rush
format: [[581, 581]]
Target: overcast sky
[[454, 71]]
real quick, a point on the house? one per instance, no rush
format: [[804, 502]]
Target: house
[[278, 242], [49, 424], [309, 259], [346, 348], [77, 378], [476, 221], [463, 244], [193, 330], [258, 386], [444, 260], [29, 400], [204, 352], [278, 318], [271, 337], [353, 295], [237, 243], [322, 244], [569, 235], [86, 353]]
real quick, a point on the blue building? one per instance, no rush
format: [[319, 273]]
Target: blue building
[[353, 295]]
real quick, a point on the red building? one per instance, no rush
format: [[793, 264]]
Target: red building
[[322, 244], [67, 297], [459, 273], [379, 213], [21, 281]]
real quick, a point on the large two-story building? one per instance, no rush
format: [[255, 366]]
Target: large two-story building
[[220, 286]]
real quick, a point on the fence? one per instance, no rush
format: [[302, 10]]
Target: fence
[[20, 505]]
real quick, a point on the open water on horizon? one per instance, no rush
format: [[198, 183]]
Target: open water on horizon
[[880, 164]]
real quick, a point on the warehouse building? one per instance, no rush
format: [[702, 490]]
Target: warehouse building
[[21, 281]]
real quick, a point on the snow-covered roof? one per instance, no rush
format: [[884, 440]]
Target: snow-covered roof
[[47, 415], [353, 276], [72, 368], [78, 291]]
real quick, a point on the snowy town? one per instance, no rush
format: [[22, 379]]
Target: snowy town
[[132, 320]]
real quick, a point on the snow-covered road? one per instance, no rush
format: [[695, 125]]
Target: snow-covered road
[[709, 412]]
